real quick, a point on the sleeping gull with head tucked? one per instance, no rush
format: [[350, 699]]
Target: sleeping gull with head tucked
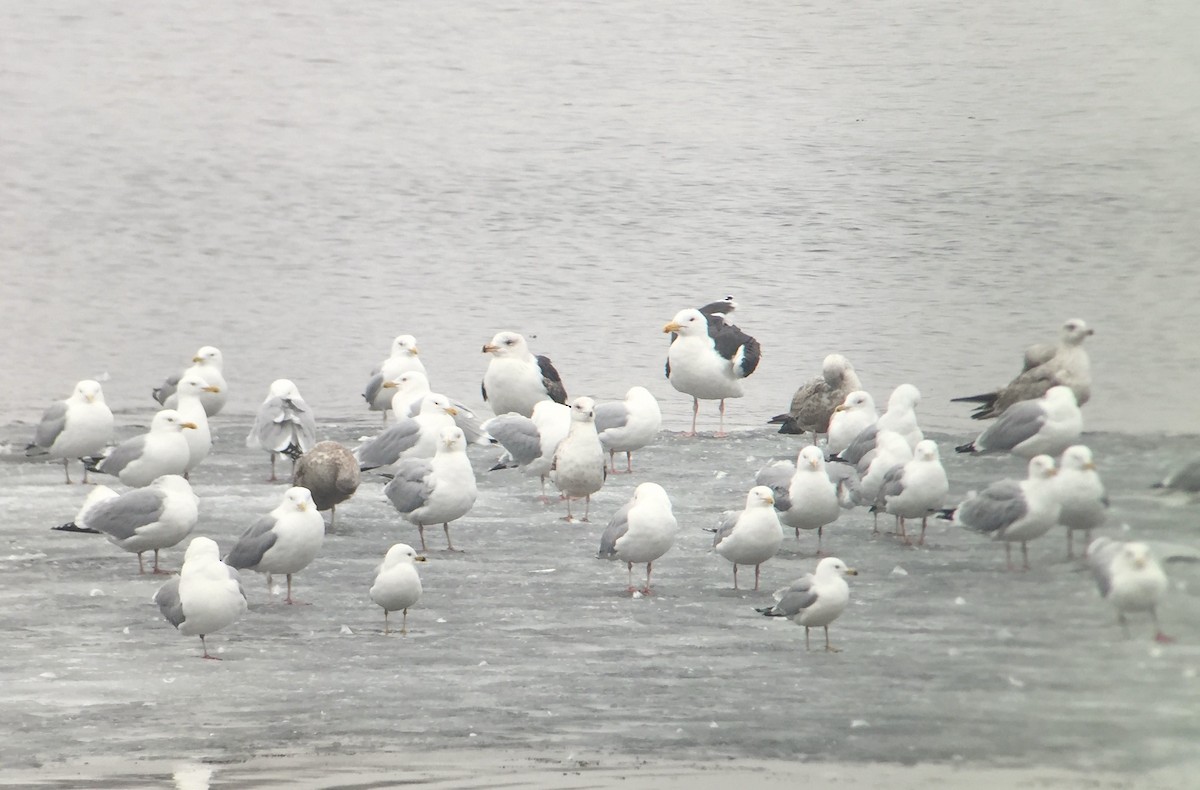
[[205, 597], [815, 600], [641, 531], [76, 427], [1045, 426], [628, 425]]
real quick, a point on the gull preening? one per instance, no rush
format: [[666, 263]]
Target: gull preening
[[708, 359], [397, 586], [206, 596], [515, 379], [76, 427], [641, 531], [815, 600], [284, 424]]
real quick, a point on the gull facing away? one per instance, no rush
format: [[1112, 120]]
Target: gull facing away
[[708, 359], [530, 442], [1081, 494], [1130, 578], [815, 600], [76, 427], [145, 519], [813, 404], [285, 540], [579, 468], [641, 531], [750, 536], [628, 425], [284, 424], [404, 357], [1014, 511], [436, 490], [330, 472], [804, 495], [916, 489], [205, 597], [397, 585], [139, 461], [1046, 365], [206, 364], [1045, 426], [515, 379]]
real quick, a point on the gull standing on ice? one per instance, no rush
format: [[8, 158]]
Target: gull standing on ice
[[1130, 579], [1045, 426], [530, 442], [579, 467], [1014, 511], [436, 490], [854, 415], [207, 365], [515, 379], [1081, 494], [1046, 365], [76, 427], [205, 597], [285, 540], [330, 473], [750, 536], [815, 600], [804, 495], [628, 425], [139, 461], [188, 394], [708, 359], [891, 452], [284, 424], [641, 531], [901, 417], [404, 358], [813, 404], [397, 585], [410, 390], [917, 489], [410, 437]]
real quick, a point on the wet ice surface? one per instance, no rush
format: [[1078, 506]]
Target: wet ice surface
[[525, 640]]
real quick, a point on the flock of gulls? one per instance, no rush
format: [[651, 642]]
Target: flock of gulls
[[856, 458]]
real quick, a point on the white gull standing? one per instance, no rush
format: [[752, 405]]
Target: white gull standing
[[397, 585], [750, 536], [815, 600], [708, 359], [515, 379], [436, 490], [1081, 494], [813, 404], [410, 437], [917, 489], [804, 495], [530, 442], [1130, 579], [1045, 426], [76, 427], [641, 531], [284, 424], [285, 540], [579, 467], [854, 415], [163, 450], [1014, 511], [206, 596], [206, 364], [628, 425], [403, 358], [190, 406]]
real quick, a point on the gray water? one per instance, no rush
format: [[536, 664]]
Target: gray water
[[924, 187]]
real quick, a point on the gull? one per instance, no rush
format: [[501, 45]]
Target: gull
[[330, 472], [579, 467], [206, 596], [900, 417], [207, 365], [813, 404], [410, 389], [804, 495], [437, 490], [397, 585], [1130, 579], [284, 424], [1045, 426], [404, 358], [515, 379], [285, 540], [750, 536], [410, 437], [1046, 365], [145, 519], [641, 531], [1080, 493], [815, 600], [188, 402], [1014, 511], [628, 425], [1185, 479], [854, 415], [916, 489], [891, 452], [529, 442], [139, 461], [76, 427], [708, 359]]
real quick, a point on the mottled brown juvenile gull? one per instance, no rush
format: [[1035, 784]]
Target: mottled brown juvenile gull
[[750, 536], [1048, 425], [515, 379], [628, 425], [579, 468], [708, 359], [285, 540], [76, 427], [206, 596], [813, 404], [641, 531], [404, 358], [1014, 511], [815, 600], [1130, 578], [139, 461], [1046, 365], [284, 424], [397, 584], [206, 364], [529, 442], [917, 489], [436, 490], [330, 472], [146, 519]]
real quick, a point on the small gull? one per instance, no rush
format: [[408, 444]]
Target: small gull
[[330, 472], [515, 379], [1046, 365], [397, 585], [284, 424], [750, 536], [435, 490], [628, 425], [916, 489], [708, 359], [641, 531], [145, 519], [188, 402], [804, 494], [579, 467], [1081, 494], [1130, 578], [404, 358], [813, 404], [900, 417], [76, 427], [852, 416], [285, 540], [815, 600], [529, 442], [410, 437], [1045, 426], [1014, 510], [139, 461], [207, 365], [410, 390], [205, 597]]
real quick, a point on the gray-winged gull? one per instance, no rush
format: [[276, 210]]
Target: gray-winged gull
[[410, 437], [436, 490], [900, 416], [804, 494], [815, 600], [1081, 494], [750, 536], [708, 359], [189, 404], [330, 472], [285, 540], [76, 427], [207, 364], [1014, 511], [139, 461], [1130, 578], [207, 595], [641, 531], [529, 442], [515, 379], [284, 424], [813, 404], [409, 390], [628, 425], [403, 358], [916, 489], [1185, 479], [397, 585], [852, 416], [1045, 426], [579, 468]]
